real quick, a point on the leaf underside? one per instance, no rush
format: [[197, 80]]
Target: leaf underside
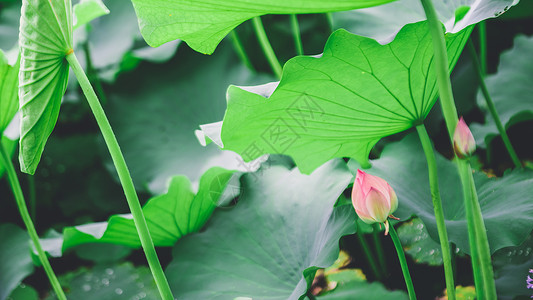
[[204, 23], [270, 244], [45, 39], [340, 104], [8, 91]]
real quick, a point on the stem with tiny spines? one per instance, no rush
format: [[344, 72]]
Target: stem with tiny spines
[[476, 230], [267, 48], [491, 106], [403, 263], [23, 209], [438, 209], [125, 178]]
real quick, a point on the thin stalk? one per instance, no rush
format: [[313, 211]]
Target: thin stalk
[[125, 178], [439, 211], [379, 249], [472, 239], [403, 263], [474, 217], [92, 74], [296, 33], [240, 50], [482, 241], [33, 197], [329, 17], [483, 46], [267, 48], [490, 105], [23, 209], [369, 256]]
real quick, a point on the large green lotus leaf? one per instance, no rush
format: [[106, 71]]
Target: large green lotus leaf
[[506, 203], [8, 91], [339, 104], [116, 45], [24, 292], [10, 146], [155, 111], [169, 216], [512, 265], [204, 23], [510, 89], [109, 282], [270, 244], [87, 10], [15, 257], [45, 40], [383, 22], [350, 284], [418, 244]]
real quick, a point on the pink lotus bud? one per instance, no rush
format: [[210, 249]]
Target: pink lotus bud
[[463, 140], [373, 199]]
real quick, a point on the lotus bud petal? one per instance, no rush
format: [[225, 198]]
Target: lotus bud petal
[[373, 198], [463, 140]]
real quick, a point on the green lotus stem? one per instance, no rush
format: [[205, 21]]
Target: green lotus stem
[[482, 242], [492, 108], [403, 263], [23, 209], [369, 256], [240, 50], [379, 248], [267, 48], [476, 226], [125, 178], [33, 197], [483, 46], [296, 33], [437, 207], [329, 17]]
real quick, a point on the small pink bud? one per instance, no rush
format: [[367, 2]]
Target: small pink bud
[[463, 140], [373, 198]]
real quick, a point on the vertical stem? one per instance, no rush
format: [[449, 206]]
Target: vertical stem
[[92, 74], [267, 48], [477, 230], [296, 33], [329, 17], [379, 249], [240, 50], [33, 197], [125, 178], [368, 254], [492, 108], [437, 207], [403, 263], [483, 46], [23, 209]]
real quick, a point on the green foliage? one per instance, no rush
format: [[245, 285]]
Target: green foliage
[[511, 266], [15, 257], [204, 23], [341, 104], [383, 22], [417, 243], [45, 40], [169, 216], [87, 10], [271, 243], [349, 285], [8, 91], [110, 282], [24, 292], [154, 114], [507, 224], [510, 90]]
